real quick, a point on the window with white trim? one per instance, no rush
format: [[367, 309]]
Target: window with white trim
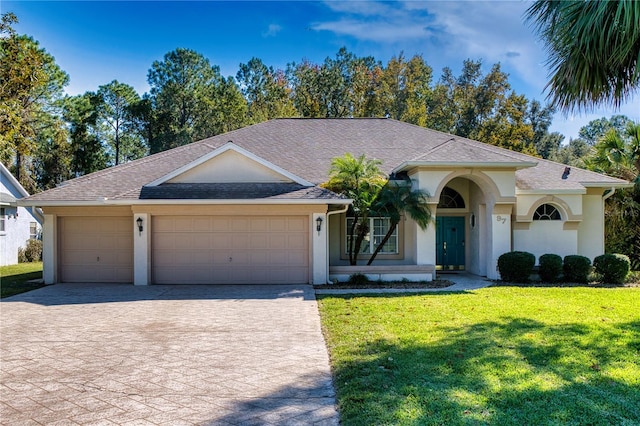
[[2, 219], [33, 230], [546, 212], [378, 228]]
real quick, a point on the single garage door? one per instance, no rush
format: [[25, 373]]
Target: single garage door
[[230, 249], [96, 249]]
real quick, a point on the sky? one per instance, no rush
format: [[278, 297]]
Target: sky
[[97, 42]]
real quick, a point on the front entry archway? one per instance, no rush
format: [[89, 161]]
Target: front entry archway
[[450, 243]]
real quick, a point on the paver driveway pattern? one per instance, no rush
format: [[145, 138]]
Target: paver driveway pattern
[[119, 354]]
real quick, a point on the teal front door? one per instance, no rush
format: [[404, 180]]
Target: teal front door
[[450, 243]]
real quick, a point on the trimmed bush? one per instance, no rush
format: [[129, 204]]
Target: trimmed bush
[[550, 267], [613, 268], [31, 253], [516, 266], [576, 268], [358, 279]]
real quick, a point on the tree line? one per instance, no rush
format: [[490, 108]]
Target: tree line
[[48, 137]]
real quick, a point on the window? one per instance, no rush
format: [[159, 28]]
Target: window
[[2, 213], [450, 199], [378, 227], [33, 230], [546, 212]]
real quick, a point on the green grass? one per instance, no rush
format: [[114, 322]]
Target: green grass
[[500, 355], [13, 278]]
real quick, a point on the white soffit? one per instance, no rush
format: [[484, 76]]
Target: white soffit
[[246, 167]]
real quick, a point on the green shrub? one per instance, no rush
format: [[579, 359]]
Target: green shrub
[[612, 268], [576, 268], [550, 267], [516, 266], [358, 279], [31, 253]]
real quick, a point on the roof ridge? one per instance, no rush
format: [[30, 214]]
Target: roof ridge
[[435, 148]]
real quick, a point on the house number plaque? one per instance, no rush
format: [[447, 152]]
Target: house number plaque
[[501, 219]]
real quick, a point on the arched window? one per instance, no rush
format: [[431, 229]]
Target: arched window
[[546, 212], [450, 199]]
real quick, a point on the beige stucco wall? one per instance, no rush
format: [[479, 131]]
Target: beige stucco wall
[[230, 166], [544, 237], [591, 229]]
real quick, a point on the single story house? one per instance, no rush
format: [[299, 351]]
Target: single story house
[[17, 224], [245, 207]]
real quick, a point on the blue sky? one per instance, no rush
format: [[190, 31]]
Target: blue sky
[[97, 42]]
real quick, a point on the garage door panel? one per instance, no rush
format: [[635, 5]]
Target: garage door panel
[[240, 241], [240, 225], [96, 249], [297, 224], [230, 250], [259, 241], [201, 241], [297, 241]]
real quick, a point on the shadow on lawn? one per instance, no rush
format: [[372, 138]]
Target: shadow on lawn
[[509, 372]]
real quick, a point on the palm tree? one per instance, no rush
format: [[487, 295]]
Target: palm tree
[[593, 47], [619, 155], [361, 180], [396, 199]]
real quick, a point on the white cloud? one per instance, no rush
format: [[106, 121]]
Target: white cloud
[[377, 31], [272, 30]]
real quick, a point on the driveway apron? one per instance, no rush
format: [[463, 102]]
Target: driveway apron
[[120, 354]]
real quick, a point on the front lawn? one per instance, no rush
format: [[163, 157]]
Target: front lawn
[[500, 355], [13, 278]]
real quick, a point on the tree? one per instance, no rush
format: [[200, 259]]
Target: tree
[[183, 86], [343, 86], [483, 107], [361, 180], [31, 86], [52, 162], [596, 129], [394, 200], [86, 151], [116, 122], [618, 154], [265, 91], [549, 145], [593, 48], [404, 89]]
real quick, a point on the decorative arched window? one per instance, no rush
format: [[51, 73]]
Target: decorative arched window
[[546, 212], [450, 199]]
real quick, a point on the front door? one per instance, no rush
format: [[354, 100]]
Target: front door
[[450, 243]]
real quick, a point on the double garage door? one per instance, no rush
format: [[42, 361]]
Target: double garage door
[[189, 249], [230, 249]]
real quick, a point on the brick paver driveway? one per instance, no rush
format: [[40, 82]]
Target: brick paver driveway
[[119, 354]]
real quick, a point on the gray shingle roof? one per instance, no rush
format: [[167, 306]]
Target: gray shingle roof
[[236, 191], [305, 147]]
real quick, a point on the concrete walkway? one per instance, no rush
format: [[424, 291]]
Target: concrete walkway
[[462, 282], [164, 355]]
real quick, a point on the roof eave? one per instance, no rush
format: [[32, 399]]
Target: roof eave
[[125, 202], [566, 191], [407, 165], [606, 185]]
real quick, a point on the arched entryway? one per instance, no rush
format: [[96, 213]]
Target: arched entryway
[[463, 225]]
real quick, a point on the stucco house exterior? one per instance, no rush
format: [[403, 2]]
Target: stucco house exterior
[[17, 224], [245, 207]]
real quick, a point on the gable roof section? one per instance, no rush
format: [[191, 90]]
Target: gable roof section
[[303, 149], [265, 167], [466, 154], [12, 185]]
